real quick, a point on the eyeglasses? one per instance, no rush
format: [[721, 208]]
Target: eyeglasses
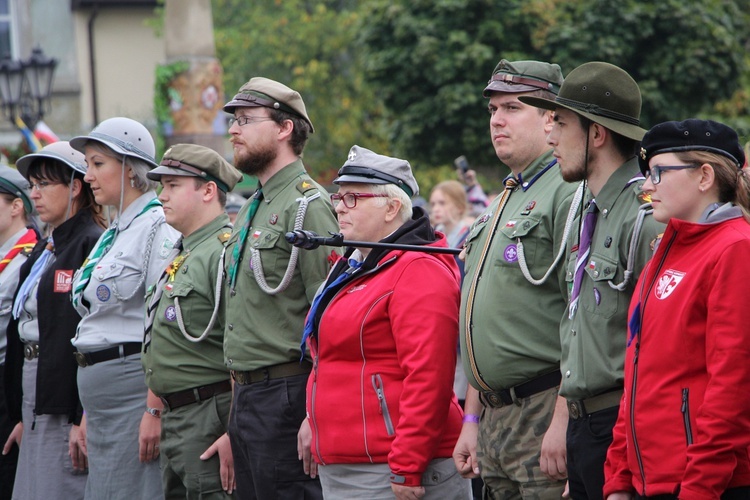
[[244, 120], [655, 171], [41, 185], [350, 199]]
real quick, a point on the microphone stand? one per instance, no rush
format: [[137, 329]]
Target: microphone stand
[[310, 240]]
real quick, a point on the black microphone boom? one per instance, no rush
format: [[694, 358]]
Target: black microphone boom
[[310, 240]]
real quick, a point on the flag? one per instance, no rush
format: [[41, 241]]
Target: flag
[[44, 133]]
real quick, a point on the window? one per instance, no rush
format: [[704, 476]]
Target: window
[[6, 47]]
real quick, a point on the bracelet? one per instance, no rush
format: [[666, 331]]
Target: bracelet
[[474, 419], [154, 412]]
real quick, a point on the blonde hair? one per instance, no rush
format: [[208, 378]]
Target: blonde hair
[[733, 182], [456, 193], [139, 167]]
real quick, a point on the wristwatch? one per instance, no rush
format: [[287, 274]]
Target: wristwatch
[[154, 412]]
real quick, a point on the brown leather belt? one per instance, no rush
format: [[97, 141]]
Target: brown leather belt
[[31, 350], [506, 397], [272, 372], [579, 408], [119, 351], [195, 395]]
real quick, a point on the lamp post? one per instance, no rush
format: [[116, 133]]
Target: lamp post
[[26, 86]]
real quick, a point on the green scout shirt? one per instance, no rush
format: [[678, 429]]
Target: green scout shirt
[[515, 335], [173, 363], [264, 330], [593, 342]]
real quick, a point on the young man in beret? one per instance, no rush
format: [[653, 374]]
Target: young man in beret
[[183, 350], [270, 286], [595, 138], [512, 299], [16, 242]]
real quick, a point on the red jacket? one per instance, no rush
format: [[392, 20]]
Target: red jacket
[[684, 423], [384, 353]]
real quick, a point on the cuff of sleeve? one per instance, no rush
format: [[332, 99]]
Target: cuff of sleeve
[[616, 486], [406, 479]]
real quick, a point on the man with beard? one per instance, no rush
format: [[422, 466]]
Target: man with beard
[[596, 135], [270, 286], [512, 299]]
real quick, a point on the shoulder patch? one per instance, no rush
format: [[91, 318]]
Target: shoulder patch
[[305, 185], [224, 237]]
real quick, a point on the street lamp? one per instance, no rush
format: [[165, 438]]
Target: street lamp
[[25, 87]]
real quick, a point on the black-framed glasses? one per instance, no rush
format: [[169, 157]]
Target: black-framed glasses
[[244, 120], [655, 171], [350, 199]]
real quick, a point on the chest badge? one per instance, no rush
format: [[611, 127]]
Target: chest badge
[[511, 253], [170, 314], [667, 283], [528, 208], [103, 293], [274, 219]]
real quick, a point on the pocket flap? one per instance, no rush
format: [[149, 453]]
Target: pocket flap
[[179, 289], [520, 227]]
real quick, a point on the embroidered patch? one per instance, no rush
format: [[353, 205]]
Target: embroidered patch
[[166, 247], [667, 283], [274, 219], [170, 314], [511, 253], [63, 281], [257, 234], [592, 265], [103, 293], [483, 219], [510, 223]]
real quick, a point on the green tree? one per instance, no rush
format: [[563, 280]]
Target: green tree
[[431, 59], [308, 46]]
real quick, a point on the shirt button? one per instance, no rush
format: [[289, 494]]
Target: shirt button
[[574, 332], [233, 293], [596, 274], [567, 374], [230, 326], [150, 370], [605, 211], [229, 361]]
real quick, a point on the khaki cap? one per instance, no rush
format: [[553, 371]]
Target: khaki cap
[[192, 160], [263, 92]]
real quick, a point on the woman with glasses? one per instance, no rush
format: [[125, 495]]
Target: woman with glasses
[[41, 368], [108, 292], [382, 416], [683, 429]]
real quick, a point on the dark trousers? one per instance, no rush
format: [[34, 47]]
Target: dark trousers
[[7, 462], [588, 438], [739, 493], [263, 429]]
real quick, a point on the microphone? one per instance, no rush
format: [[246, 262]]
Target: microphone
[[309, 240]]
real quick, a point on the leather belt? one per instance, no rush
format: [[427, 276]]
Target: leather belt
[[119, 351], [195, 395], [506, 397], [272, 372], [31, 350], [579, 408]]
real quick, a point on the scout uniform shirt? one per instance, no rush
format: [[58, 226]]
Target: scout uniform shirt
[[593, 342], [172, 362], [515, 335], [9, 283], [107, 319], [261, 329]]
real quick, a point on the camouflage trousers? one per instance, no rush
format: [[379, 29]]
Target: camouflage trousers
[[509, 446]]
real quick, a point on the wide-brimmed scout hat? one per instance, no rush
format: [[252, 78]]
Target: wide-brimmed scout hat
[[366, 167], [192, 160], [601, 92], [691, 135], [263, 92], [60, 151], [524, 76], [13, 183], [121, 135]]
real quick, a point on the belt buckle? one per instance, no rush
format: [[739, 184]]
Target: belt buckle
[[81, 359], [575, 410], [30, 351], [240, 377]]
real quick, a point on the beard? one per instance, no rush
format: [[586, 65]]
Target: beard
[[577, 172], [255, 162]]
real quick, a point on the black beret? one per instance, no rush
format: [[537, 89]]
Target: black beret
[[691, 135]]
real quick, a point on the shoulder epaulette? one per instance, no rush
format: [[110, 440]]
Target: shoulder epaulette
[[224, 237], [305, 185]]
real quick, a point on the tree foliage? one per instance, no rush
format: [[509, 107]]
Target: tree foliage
[[306, 45], [431, 59]]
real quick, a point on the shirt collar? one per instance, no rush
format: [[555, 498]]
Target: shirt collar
[[535, 170], [197, 237], [282, 179], [618, 182], [134, 210]]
